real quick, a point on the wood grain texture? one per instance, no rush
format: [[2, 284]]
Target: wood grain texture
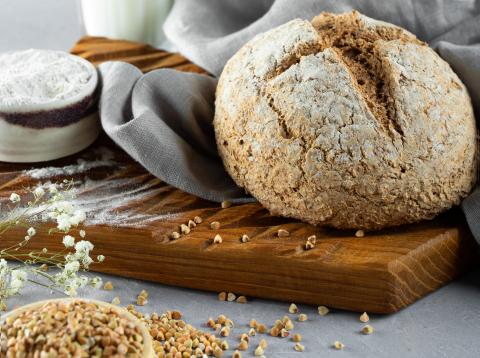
[[382, 272]]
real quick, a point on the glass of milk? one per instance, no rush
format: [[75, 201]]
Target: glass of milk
[[135, 20]]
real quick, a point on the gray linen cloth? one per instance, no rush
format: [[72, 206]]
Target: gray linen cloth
[[163, 119]]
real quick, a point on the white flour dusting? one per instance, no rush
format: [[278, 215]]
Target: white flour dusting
[[106, 159], [113, 201], [41, 76]]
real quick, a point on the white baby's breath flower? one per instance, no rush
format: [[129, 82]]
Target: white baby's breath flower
[[83, 247], [96, 282], [16, 286], [4, 272], [77, 217], [14, 198], [68, 241], [31, 232], [63, 222], [82, 233], [100, 258], [39, 192], [82, 281], [20, 275], [71, 291], [72, 267], [86, 261]]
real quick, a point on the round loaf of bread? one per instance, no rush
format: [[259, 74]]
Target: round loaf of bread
[[346, 121]]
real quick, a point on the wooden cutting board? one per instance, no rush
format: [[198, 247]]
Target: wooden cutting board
[[132, 213]]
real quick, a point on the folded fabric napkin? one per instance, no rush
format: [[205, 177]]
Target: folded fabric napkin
[[163, 118]]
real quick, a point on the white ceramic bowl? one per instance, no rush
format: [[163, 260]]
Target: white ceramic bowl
[[36, 129]]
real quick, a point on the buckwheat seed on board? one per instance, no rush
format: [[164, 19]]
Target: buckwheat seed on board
[[283, 233], [215, 225]]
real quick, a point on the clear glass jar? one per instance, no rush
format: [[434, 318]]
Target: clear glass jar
[[135, 20]]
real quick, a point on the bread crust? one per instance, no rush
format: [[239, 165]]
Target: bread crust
[[346, 121]]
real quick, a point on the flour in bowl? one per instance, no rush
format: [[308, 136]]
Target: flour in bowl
[[34, 77]]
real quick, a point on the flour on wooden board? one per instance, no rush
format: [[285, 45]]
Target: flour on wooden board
[[106, 202]]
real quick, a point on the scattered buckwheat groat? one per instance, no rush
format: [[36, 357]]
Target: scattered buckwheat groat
[[231, 297], [217, 239], [261, 328], [116, 300], [174, 235], [244, 238], [293, 308], [242, 299], [302, 317], [171, 335], [283, 233], [323, 310], [259, 351], [222, 296], [226, 204], [243, 345], [338, 345], [367, 329], [299, 347], [184, 229], [297, 337], [215, 225], [108, 286], [360, 233], [364, 317], [263, 343], [197, 219]]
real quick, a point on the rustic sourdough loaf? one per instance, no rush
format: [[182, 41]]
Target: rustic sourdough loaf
[[346, 121]]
